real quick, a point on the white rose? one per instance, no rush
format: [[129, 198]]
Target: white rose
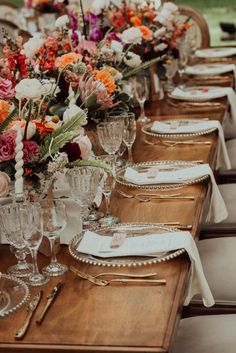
[[116, 46], [131, 35], [4, 184], [171, 7], [62, 21], [73, 110], [99, 5], [85, 146], [29, 88], [132, 60], [32, 46], [48, 87], [159, 32], [160, 47]]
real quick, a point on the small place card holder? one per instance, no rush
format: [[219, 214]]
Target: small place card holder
[[117, 240]]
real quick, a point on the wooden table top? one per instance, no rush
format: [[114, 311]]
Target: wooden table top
[[119, 318]]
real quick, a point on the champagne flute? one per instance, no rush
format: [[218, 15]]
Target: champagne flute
[[108, 184], [141, 95], [31, 223], [129, 135], [53, 223], [183, 58]]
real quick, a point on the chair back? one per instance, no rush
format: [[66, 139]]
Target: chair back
[[9, 11], [9, 27]]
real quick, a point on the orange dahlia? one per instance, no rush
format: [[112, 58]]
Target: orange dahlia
[[67, 59], [107, 79], [146, 32], [4, 110]]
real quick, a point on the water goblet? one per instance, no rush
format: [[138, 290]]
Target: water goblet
[[183, 58], [53, 223], [141, 95], [171, 67], [83, 182], [30, 217], [110, 135], [12, 229], [108, 184], [129, 135]]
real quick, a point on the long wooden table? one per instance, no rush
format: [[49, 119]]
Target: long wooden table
[[119, 318]]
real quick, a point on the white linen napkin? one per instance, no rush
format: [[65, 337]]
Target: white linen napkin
[[215, 52], [205, 95], [217, 209], [98, 245], [222, 154]]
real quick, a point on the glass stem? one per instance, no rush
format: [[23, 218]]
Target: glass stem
[[21, 257], [34, 261], [130, 155], [53, 250], [142, 112], [107, 197]]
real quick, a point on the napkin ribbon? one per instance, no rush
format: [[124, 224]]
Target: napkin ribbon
[[217, 209], [223, 160], [153, 244]]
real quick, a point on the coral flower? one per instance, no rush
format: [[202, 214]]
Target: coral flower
[[107, 79], [136, 21], [67, 59], [4, 110], [146, 32]]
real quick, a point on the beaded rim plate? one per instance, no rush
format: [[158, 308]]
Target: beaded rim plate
[[132, 229], [13, 294], [166, 166], [182, 122], [195, 94]]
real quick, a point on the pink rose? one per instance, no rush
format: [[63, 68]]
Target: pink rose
[[7, 145], [6, 89], [85, 147], [31, 151], [4, 184], [88, 45]]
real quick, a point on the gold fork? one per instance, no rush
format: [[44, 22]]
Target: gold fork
[[149, 197]]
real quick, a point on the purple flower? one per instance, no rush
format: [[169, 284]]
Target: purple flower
[[7, 145], [112, 36], [96, 35], [91, 18], [30, 151]]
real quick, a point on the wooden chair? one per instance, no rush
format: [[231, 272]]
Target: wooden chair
[[9, 11], [199, 30], [10, 28]]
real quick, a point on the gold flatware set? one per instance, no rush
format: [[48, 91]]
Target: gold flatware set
[[136, 278], [149, 197], [170, 143]]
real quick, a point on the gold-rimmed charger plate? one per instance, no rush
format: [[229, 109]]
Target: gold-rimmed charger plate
[[131, 230], [170, 166], [13, 294], [198, 94], [178, 135]]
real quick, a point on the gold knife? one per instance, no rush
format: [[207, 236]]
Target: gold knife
[[30, 310], [50, 298]]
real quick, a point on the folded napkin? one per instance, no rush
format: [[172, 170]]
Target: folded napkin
[[215, 52], [207, 93], [222, 154], [98, 245], [217, 209]]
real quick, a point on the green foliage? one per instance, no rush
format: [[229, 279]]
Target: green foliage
[[130, 72]]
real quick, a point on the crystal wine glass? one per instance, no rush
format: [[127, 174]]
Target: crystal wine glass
[[108, 184], [83, 182], [129, 135], [141, 95], [11, 228], [171, 67], [183, 58], [110, 135], [30, 217], [53, 223]]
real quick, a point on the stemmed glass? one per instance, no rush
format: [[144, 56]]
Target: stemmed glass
[[108, 184], [53, 223], [110, 135], [171, 67], [30, 218], [141, 93], [83, 182], [129, 135], [183, 58], [12, 229]]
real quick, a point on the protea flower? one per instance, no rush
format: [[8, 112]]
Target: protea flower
[[89, 87]]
